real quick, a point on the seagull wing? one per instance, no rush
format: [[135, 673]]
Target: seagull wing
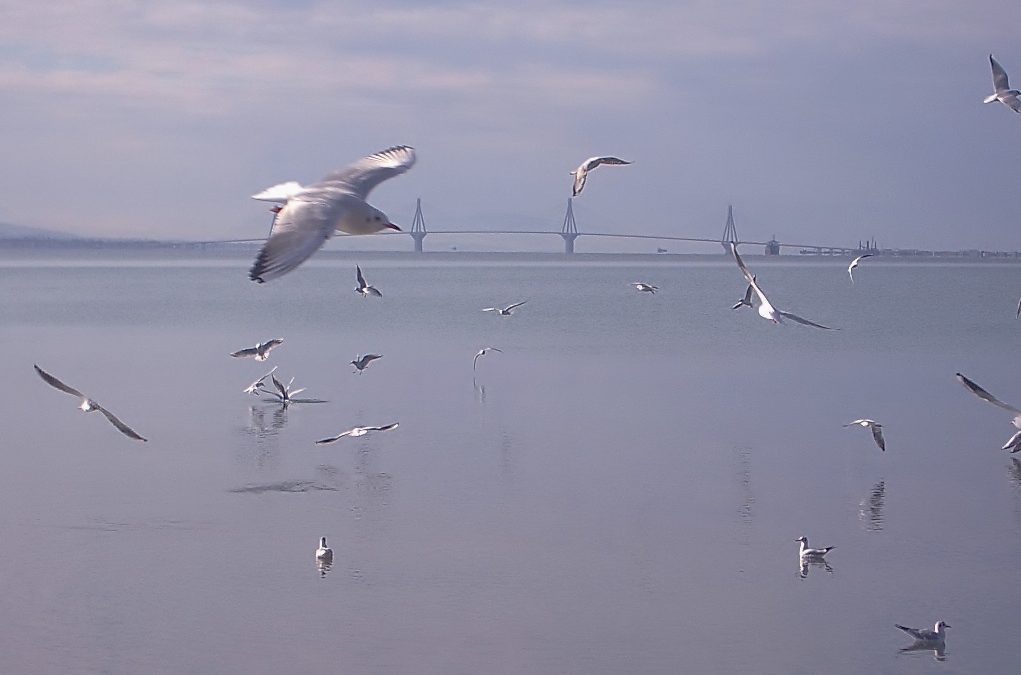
[[1000, 82], [57, 384], [596, 161], [985, 395], [365, 174], [280, 386], [748, 276], [299, 230], [361, 279], [388, 427], [475, 362], [1011, 101], [279, 193], [804, 322], [516, 304], [242, 353], [121, 426], [1018, 309], [334, 438], [877, 435], [373, 291], [579, 180], [270, 344]]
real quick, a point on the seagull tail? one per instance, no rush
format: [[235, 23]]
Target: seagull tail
[[989, 99]]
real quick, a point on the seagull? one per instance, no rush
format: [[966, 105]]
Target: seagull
[[581, 173], [87, 404], [355, 432], [645, 288], [766, 310], [260, 351], [938, 634], [363, 287], [362, 362], [854, 263], [1014, 443], [746, 301], [1001, 88], [877, 431], [283, 392], [323, 553], [506, 311], [812, 552], [256, 387], [310, 215], [484, 350]]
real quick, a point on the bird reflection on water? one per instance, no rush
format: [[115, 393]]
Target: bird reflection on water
[[807, 562], [871, 508]]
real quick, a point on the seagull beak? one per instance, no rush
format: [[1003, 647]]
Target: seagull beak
[[393, 227]]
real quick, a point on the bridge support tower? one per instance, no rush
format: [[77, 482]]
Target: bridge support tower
[[570, 229], [418, 226], [729, 231]]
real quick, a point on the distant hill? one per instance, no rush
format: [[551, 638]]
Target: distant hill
[[8, 231]]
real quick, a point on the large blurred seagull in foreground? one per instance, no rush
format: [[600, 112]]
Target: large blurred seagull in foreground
[[1001, 88], [1014, 443], [312, 214], [581, 173], [87, 404], [766, 310]]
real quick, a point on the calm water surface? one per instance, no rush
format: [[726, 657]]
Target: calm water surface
[[618, 491]]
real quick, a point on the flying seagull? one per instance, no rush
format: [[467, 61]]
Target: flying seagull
[[506, 311], [87, 404], [356, 431], [854, 263], [310, 215], [1014, 443], [260, 352], [258, 386], [812, 552], [363, 287], [645, 288], [938, 634], [581, 173], [746, 301], [323, 553], [1001, 88], [877, 431], [766, 310], [481, 352], [362, 362]]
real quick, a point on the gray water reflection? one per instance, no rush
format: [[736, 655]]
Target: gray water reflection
[[746, 496], [807, 563], [871, 508], [938, 649]]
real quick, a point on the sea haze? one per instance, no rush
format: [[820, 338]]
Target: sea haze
[[617, 491]]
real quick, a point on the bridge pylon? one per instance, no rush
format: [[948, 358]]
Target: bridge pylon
[[570, 229], [730, 230], [418, 226]]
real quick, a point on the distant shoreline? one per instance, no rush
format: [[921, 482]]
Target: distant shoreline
[[121, 251]]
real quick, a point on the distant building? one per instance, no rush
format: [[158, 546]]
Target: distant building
[[773, 246]]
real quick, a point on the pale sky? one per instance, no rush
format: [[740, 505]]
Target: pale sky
[[820, 121]]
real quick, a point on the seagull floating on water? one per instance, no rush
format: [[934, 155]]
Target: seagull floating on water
[[645, 288], [260, 352], [363, 288], [258, 387], [312, 214], [581, 173], [506, 311], [854, 263], [482, 352], [88, 405], [354, 432], [1014, 443], [362, 362], [766, 310], [877, 431], [812, 552], [1001, 88], [323, 553], [938, 634]]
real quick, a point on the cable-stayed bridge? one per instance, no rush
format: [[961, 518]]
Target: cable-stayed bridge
[[569, 233]]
